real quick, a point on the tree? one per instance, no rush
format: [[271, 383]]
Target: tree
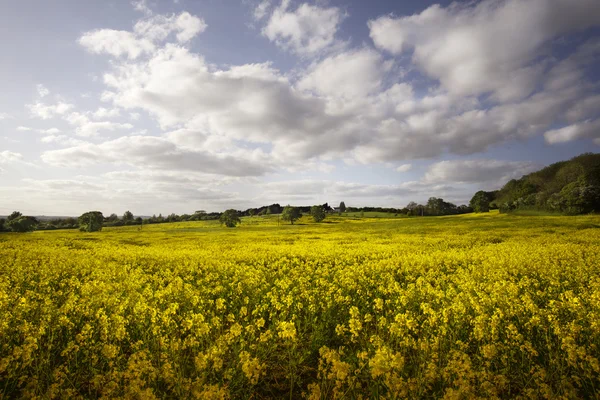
[[112, 218], [91, 221], [230, 218], [318, 213], [13, 215], [481, 202], [22, 224], [290, 214], [342, 207], [127, 217]]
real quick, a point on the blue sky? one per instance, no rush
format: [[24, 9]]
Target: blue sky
[[173, 106]]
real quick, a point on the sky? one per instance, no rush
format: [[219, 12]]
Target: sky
[[162, 106]]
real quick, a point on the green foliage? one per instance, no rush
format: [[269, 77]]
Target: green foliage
[[318, 213], [91, 221], [570, 187], [22, 224], [128, 217], [290, 214], [230, 218], [13, 215], [481, 201], [342, 207]]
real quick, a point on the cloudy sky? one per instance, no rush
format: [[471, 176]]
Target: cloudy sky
[[163, 106]]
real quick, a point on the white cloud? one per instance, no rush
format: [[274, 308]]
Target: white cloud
[[251, 103], [147, 33], [262, 9], [116, 43], [489, 46], [307, 30], [42, 90], [8, 157], [477, 171], [106, 113], [585, 129], [159, 153], [23, 128], [87, 128], [134, 116], [61, 140], [141, 6], [44, 111], [404, 168], [349, 75], [4, 116], [159, 27]]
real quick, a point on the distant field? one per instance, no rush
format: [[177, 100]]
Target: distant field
[[492, 305]]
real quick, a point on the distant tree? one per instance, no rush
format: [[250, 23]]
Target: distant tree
[[139, 220], [22, 224], [480, 202], [290, 214], [112, 218], [268, 211], [91, 221], [251, 212], [230, 218], [2, 225], [342, 207], [128, 217], [318, 213]]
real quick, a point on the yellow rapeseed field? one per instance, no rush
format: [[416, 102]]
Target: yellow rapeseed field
[[460, 307]]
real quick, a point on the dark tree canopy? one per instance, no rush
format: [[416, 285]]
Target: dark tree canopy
[[13, 215], [128, 216], [230, 218], [342, 207], [290, 214], [318, 213], [91, 221], [570, 187], [22, 224], [481, 201]]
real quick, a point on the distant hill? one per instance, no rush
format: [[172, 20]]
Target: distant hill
[[571, 187]]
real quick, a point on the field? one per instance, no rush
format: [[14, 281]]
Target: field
[[489, 306]]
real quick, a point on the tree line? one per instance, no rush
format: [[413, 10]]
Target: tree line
[[568, 187]]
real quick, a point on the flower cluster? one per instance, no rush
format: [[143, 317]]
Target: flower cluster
[[456, 307]]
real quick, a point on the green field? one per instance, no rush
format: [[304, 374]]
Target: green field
[[477, 305]]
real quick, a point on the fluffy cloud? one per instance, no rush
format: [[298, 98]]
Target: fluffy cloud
[[306, 31], [159, 153], [106, 113], [337, 75], [45, 111], [4, 116], [491, 47], [87, 128], [42, 90], [147, 33], [7, 157], [404, 168], [262, 9], [251, 103], [477, 171], [159, 27], [116, 43], [585, 129]]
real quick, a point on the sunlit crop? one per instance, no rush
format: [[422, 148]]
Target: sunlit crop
[[457, 307]]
